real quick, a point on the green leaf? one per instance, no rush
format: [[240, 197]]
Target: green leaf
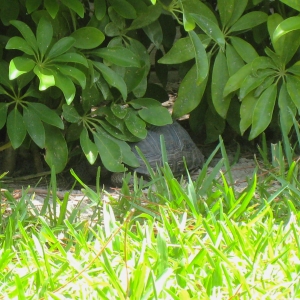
[[66, 85], [189, 94], [44, 34], [292, 3], [293, 88], [119, 56], [16, 129], [234, 61], [32, 5], [20, 65], [3, 114], [211, 29], [154, 33], [244, 49], [87, 37], [151, 111], [124, 9], [56, 148], [128, 157], [109, 151], [219, 78], [249, 20], [46, 77], [263, 111], [226, 8], [71, 58], [19, 43], [188, 22], [52, 7], [111, 29], [88, 147], [112, 78], [214, 125], [145, 18], [287, 109], [34, 126], [26, 33], [273, 21], [100, 9], [73, 73], [4, 71], [119, 111], [239, 8], [70, 113], [46, 114], [200, 56], [9, 11], [246, 112], [61, 46], [75, 5], [135, 125], [236, 80], [290, 24]]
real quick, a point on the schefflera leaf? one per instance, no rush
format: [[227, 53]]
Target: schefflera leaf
[[88, 147], [88, 37]]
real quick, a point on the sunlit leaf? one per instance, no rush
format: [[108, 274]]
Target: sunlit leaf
[[20, 65]]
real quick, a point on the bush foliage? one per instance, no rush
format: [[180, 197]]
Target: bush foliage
[[77, 72]]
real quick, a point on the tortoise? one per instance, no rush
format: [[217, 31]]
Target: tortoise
[[178, 145]]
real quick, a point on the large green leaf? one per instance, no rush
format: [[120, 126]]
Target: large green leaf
[[246, 112], [249, 20], [66, 85], [88, 147], [44, 35], [189, 94], [290, 24], [119, 56], [61, 46], [46, 114], [219, 78], [293, 88], [34, 126], [87, 37], [20, 65], [109, 151], [73, 73], [210, 28], [75, 5], [19, 43], [112, 78], [287, 109], [200, 57], [3, 114], [244, 49], [124, 9], [135, 125], [263, 111], [292, 3], [16, 129], [70, 113], [226, 8], [56, 148]]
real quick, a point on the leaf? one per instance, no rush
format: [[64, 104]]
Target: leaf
[[244, 49], [56, 148], [44, 35], [236, 80], [293, 88], [88, 147], [52, 7], [61, 46], [70, 113], [189, 94], [145, 18], [287, 109], [226, 8], [66, 85], [19, 43], [3, 114], [290, 24], [219, 78], [119, 111], [100, 9], [109, 151], [273, 21], [119, 56], [16, 129], [246, 112], [75, 5], [32, 5], [152, 111], [112, 78], [200, 56], [239, 8], [211, 29], [292, 3], [214, 125], [249, 20], [20, 65], [4, 70], [128, 157], [124, 9], [73, 73], [154, 33], [263, 111], [26, 33], [72, 58], [188, 22], [87, 37], [135, 125], [46, 78], [34, 126], [9, 11], [46, 114], [234, 61]]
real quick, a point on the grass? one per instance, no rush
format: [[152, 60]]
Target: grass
[[197, 240]]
